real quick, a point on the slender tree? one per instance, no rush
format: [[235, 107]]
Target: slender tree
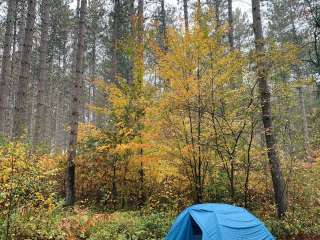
[[277, 178], [75, 108], [163, 27], [17, 53], [20, 110], [43, 76], [5, 79], [115, 40], [186, 15], [230, 23]]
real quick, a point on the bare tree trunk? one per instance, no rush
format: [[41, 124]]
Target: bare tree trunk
[[230, 23], [277, 178], [75, 108], [17, 55], [20, 111], [217, 4], [115, 39], [140, 38], [92, 87], [114, 190], [43, 76], [186, 15], [163, 28], [131, 12], [5, 108]]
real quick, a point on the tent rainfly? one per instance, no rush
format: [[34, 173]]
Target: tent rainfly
[[217, 222]]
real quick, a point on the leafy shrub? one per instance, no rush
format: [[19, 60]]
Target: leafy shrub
[[37, 223], [131, 225], [299, 222], [28, 198]]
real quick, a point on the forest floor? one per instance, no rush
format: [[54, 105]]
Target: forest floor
[[87, 223], [83, 223]]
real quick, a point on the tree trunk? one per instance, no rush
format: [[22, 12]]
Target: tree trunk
[[139, 64], [92, 88], [17, 55], [5, 108], [115, 39], [114, 190], [277, 178], [75, 108], [186, 15], [163, 27], [43, 76], [230, 23], [20, 111], [217, 12]]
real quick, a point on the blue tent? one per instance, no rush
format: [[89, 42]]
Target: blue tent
[[217, 222]]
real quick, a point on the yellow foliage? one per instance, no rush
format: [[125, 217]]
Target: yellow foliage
[[87, 130]]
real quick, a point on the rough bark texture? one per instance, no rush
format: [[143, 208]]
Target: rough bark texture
[[92, 89], [277, 178], [75, 108], [115, 38], [186, 15], [217, 4], [163, 28], [230, 23], [5, 108], [140, 58], [17, 55], [43, 76], [20, 111]]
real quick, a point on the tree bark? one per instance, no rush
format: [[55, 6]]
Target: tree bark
[[277, 178], [186, 15], [163, 28], [5, 108], [17, 55], [75, 108], [40, 119], [20, 111], [93, 90], [217, 12], [115, 39], [230, 23], [139, 65]]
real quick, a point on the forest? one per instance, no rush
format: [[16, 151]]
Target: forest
[[115, 115]]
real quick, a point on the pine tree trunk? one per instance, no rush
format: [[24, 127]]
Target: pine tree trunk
[[92, 90], [115, 39], [17, 55], [75, 108], [5, 108], [43, 76], [186, 15], [20, 111], [217, 12], [139, 68], [277, 178], [163, 29], [230, 23]]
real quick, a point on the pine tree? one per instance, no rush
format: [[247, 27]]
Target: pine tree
[[277, 178], [77, 91], [20, 111], [5, 78], [43, 76]]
